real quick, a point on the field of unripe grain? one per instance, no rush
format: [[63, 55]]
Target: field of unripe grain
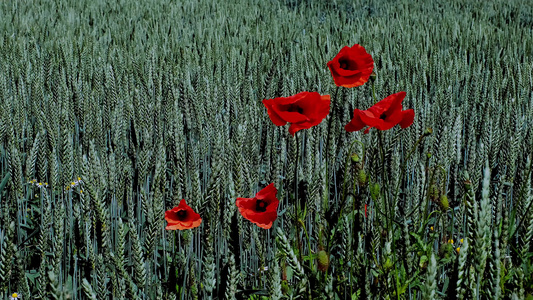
[[113, 112]]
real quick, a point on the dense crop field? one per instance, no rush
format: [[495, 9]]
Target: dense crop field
[[111, 112]]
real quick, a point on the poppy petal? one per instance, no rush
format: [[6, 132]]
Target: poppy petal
[[369, 118], [386, 124], [196, 223], [267, 192], [258, 217], [265, 219], [383, 115], [245, 203], [175, 226], [182, 205], [386, 104], [356, 123], [315, 106], [291, 99], [408, 118], [290, 116], [295, 127], [170, 215], [344, 72], [183, 225], [191, 216], [352, 81], [274, 117], [265, 226]]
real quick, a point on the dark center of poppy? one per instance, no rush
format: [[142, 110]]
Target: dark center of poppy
[[182, 214], [347, 64], [295, 108], [383, 116], [261, 206]]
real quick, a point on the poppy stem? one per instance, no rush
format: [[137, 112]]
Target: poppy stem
[[308, 245], [305, 203], [344, 189], [402, 172], [382, 154], [296, 201], [175, 256], [344, 197], [374, 92], [326, 199], [389, 215], [425, 191], [347, 164]]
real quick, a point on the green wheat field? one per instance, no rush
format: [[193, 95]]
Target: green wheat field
[[111, 112]]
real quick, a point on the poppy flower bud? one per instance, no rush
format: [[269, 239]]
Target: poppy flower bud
[[446, 250], [388, 264], [444, 205], [423, 263], [428, 131], [433, 192], [323, 260], [468, 184], [355, 158], [284, 287], [374, 191], [361, 177], [373, 76]]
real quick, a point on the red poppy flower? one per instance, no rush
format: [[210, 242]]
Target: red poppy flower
[[303, 110], [351, 67], [182, 217], [262, 209], [384, 115]]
